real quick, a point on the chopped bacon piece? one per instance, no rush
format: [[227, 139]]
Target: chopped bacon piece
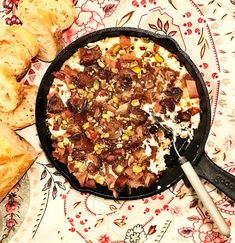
[[84, 79], [90, 183], [192, 89], [113, 49], [92, 169], [184, 116], [89, 56], [125, 41], [55, 104], [81, 177], [157, 107], [109, 63], [121, 182], [83, 143], [194, 110], [149, 178], [129, 57]]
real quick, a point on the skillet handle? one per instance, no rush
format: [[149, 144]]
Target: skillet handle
[[221, 179]]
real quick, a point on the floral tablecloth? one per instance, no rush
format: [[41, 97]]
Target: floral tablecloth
[[43, 207]]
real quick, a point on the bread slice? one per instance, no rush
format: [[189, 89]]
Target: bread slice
[[11, 92], [16, 156], [26, 38], [48, 36], [15, 56], [63, 10], [24, 114]]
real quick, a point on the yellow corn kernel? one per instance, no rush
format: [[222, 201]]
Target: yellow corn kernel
[[115, 99], [135, 102], [96, 85], [99, 179], [80, 166], [110, 113], [81, 91], [114, 70], [159, 58], [60, 144], [105, 135], [66, 141], [85, 125], [128, 132], [116, 49], [137, 169], [119, 168], [100, 63], [122, 52], [72, 86], [64, 122], [106, 116], [98, 148], [125, 137], [89, 95], [136, 69]]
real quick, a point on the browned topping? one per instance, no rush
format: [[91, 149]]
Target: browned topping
[[55, 104], [105, 131]]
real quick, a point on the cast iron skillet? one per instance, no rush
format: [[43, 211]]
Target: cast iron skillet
[[194, 151]]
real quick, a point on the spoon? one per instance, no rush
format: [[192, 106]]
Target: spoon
[[196, 182]]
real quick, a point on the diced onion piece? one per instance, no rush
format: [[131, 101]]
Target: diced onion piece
[[192, 89]]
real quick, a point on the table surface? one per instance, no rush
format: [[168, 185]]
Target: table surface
[[43, 207]]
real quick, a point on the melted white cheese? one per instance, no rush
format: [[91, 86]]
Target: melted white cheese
[[74, 63], [62, 88]]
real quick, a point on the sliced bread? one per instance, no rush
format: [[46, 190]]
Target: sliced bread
[[24, 114], [63, 10], [16, 156], [49, 38], [15, 56], [25, 37], [11, 92]]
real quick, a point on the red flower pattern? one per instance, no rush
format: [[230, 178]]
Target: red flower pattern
[[90, 17], [11, 223], [12, 207], [203, 230], [104, 239]]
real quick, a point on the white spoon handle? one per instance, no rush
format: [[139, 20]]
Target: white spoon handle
[[204, 196]]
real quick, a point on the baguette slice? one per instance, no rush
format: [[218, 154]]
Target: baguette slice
[[49, 38], [16, 156], [26, 38], [24, 114], [15, 56], [63, 10], [11, 92]]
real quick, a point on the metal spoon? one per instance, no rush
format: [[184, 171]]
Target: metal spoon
[[196, 182]]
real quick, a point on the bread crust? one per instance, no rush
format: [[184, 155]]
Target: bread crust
[[11, 91], [24, 114], [15, 56], [49, 42], [26, 38], [63, 10], [16, 156]]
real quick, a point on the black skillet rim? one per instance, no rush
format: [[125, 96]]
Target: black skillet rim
[[64, 55]]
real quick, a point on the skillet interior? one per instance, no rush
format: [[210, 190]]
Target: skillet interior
[[192, 151]]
